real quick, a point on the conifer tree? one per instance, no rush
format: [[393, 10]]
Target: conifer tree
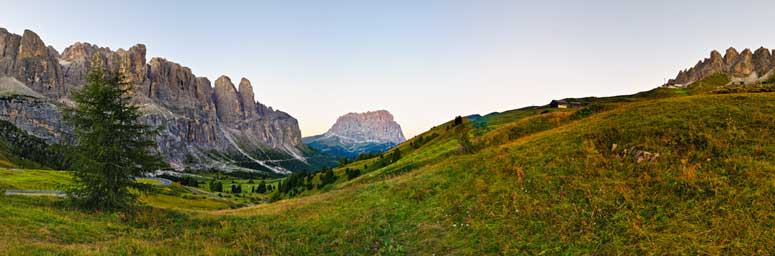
[[261, 187], [111, 147]]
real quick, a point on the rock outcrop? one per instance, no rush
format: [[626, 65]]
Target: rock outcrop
[[357, 133], [227, 102], [30, 61], [197, 120], [376, 126], [247, 99], [744, 67]]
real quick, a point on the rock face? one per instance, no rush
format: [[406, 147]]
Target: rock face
[[745, 67], [357, 133], [30, 61], [247, 99], [76, 61], [227, 102], [202, 126]]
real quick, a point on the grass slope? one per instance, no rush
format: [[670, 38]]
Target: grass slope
[[542, 182]]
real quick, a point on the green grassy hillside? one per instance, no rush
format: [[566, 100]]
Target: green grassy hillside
[[652, 173], [20, 150]]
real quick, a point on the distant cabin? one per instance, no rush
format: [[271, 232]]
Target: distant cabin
[[558, 104], [564, 104]]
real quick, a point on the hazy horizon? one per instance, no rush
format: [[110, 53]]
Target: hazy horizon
[[425, 62]]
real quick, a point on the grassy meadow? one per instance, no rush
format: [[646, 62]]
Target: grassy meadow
[[671, 171]]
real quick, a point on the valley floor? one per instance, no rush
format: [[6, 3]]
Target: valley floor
[[639, 175]]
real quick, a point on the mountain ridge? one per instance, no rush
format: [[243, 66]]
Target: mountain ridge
[[746, 67], [193, 112]]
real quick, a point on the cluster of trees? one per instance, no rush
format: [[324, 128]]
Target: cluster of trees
[[352, 173], [247, 175], [298, 182], [364, 156], [30, 147], [216, 186], [458, 121], [327, 177], [343, 161], [183, 180], [261, 188], [294, 182], [421, 140], [393, 157], [236, 188]]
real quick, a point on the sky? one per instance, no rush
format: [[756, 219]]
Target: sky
[[424, 61]]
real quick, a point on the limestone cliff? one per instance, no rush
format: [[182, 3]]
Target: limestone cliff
[[203, 127]]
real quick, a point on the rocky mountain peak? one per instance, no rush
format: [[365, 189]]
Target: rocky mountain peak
[[32, 46], [76, 60], [79, 51], [744, 64], [247, 99], [27, 59], [744, 67], [730, 56], [369, 126], [762, 60], [358, 133], [227, 102], [715, 56]]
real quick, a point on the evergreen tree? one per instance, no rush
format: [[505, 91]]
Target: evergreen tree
[[236, 188], [112, 147], [261, 187], [395, 156], [458, 120], [309, 185], [351, 174], [327, 177], [343, 161], [216, 186]]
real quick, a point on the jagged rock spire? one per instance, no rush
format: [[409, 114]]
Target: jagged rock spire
[[247, 99], [745, 66]]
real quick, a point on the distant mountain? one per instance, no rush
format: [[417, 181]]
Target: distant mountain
[[357, 133], [735, 68]]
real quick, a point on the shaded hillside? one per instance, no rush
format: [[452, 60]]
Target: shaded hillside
[[20, 150]]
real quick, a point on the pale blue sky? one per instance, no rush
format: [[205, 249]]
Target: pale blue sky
[[425, 61]]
